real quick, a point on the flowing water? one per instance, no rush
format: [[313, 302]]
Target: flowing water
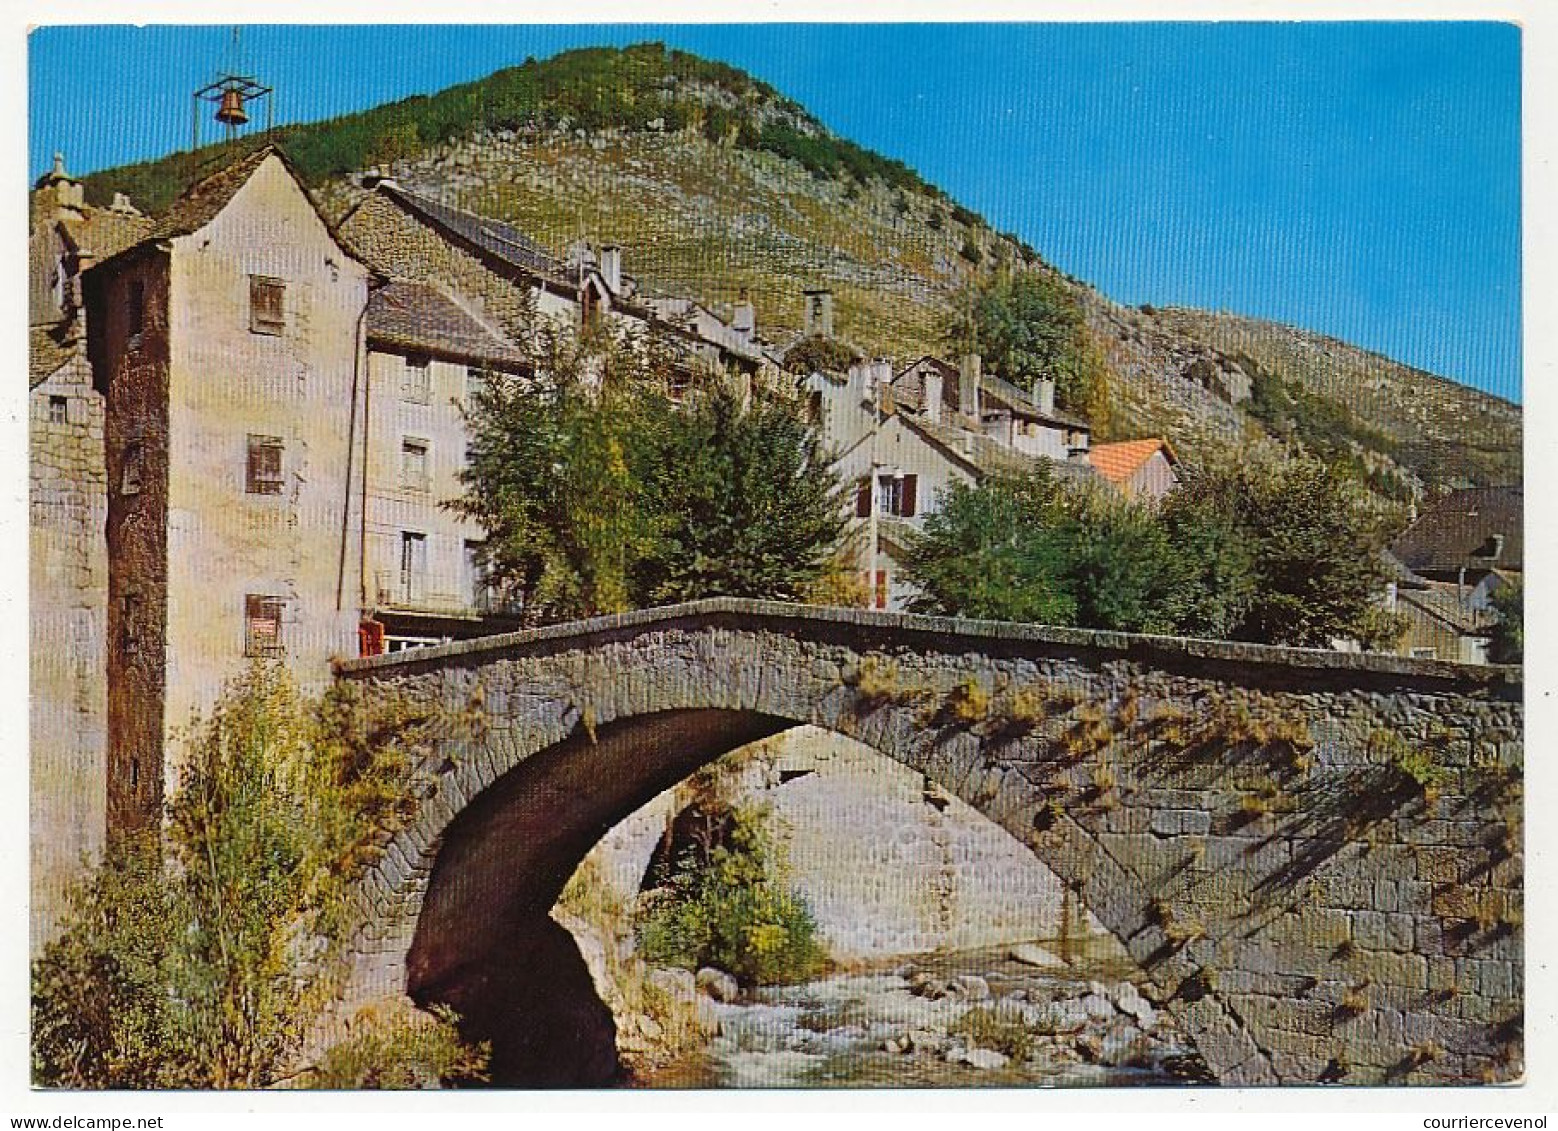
[[1079, 1025]]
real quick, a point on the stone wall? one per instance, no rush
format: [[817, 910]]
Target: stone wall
[[1315, 857], [68, 595]]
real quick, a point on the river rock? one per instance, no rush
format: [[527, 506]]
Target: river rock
[[1031, 954], [1068, 1016], [927, 986], [1129, 1000], [986, 1058], [1123, 1046], [969, 987], [717, 984], [1098, 1006]]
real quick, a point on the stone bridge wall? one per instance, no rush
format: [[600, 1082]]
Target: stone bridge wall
[[1316, 857]]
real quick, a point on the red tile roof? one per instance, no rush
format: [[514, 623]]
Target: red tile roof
[[1118, 462]]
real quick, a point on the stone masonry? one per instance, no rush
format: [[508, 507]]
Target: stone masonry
[[1315, 857]]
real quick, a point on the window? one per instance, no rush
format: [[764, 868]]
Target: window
[[59, 410], [416, 381], [897, 495], [1424, 653], [133, 474], [267, 305], [264, 470], [881, 588], [413, 464], [262, 624], [135, 311], [413, 565], [475, 385]]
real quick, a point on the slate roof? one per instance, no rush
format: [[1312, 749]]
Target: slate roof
[[502, 241], [1458, 533], [986, 456], [47, 352], [1443, 603], [101, 233], [1010, 396], [1118, 462], [204, 200], [414, 316]]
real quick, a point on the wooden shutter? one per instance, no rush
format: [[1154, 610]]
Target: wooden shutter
[[267, 305], [863, 499], [909, 498]]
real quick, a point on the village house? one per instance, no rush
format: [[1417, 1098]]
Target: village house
[[68, 558], [1138, 469], [904, 438], [1448, 564]]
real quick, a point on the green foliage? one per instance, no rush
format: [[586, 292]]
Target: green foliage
[[726, 906], [404, 1049], [970, 251], [1507, 641], [1001, 1028], [1298, 562], [599, 493], [1027, 326], [750, 506], [994, 553], [816, 354], [185, 962], [1280, 553]]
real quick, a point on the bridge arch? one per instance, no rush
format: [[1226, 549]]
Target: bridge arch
[[1226, 812]]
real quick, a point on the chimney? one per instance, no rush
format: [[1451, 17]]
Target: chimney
[[1044, 396], [611, 266], [744, 320], [931, 393], [123, 206], [67, 190], [970, 374], [819, 313]]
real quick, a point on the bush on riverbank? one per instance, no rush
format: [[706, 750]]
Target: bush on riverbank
[[726, 905], [200, 951]]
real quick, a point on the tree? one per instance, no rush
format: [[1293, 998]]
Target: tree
[[995, 552], [1286, 552], [600, 493], [1507, 639], [753, 508], [1027, 326]]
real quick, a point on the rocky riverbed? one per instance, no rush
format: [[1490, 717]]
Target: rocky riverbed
[[1013, 1016]]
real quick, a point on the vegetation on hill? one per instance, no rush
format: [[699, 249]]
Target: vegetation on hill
[[641, 88]]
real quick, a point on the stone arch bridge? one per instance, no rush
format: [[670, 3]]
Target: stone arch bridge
[[1314, 856]]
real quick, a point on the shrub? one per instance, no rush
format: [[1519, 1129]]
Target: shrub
[[727, 907], [1001, 1029]]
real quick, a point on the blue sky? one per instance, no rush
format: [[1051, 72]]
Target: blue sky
[[1361, 179]]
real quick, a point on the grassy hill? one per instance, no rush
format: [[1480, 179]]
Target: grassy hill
[[715, 182]]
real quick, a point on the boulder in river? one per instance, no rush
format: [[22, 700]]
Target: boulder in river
[[717, 984], [1031, 954], [969, 987], [986, 1058], [1129, 1000]]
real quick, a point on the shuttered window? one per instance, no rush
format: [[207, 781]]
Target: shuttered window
[[863, 499], [262, 624], [267, 305], [264, 471], [413, 465]]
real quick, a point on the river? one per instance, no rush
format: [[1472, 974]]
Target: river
[[907, 1025]]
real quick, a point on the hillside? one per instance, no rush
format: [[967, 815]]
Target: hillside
[[714, 182]]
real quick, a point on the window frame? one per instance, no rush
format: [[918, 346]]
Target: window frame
[[254, 483], [59, 409], [132, 469], [261, 608], [417, 390], [423, 483], [261, 319], [413, 565]]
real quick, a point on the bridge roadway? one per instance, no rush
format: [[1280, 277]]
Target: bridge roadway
[[1315, 856]]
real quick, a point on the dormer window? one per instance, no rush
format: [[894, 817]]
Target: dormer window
[[267, 305]]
